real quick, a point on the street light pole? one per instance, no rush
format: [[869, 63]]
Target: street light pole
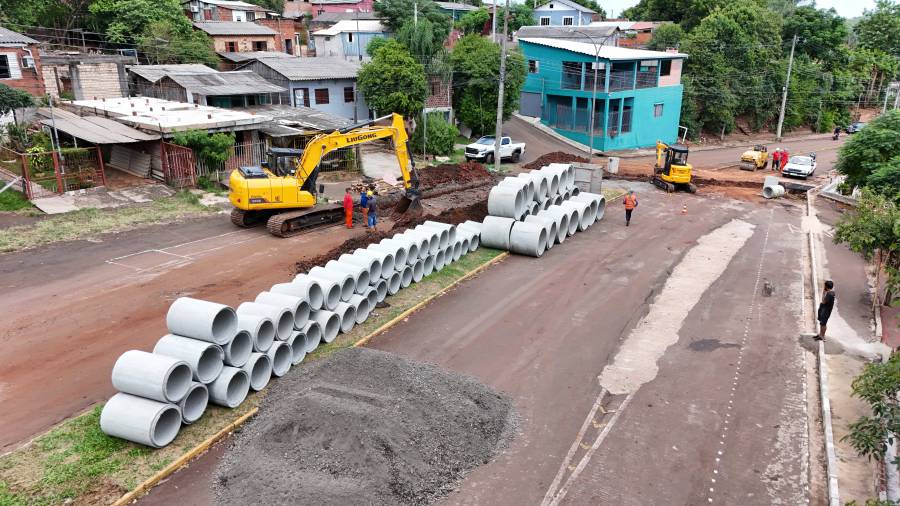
[[594, 92]]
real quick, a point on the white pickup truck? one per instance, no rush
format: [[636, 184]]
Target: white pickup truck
[[483, 149]]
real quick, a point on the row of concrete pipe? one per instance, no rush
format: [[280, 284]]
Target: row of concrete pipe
[[536, 210], [216, 354]]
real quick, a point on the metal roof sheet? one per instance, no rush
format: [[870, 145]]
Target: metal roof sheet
[[233, 28], [572, 5], [10, 37], [252, 55], [352, 25], [566, 32], [456, 6], [93, 129], [154, 73], [311, 69], [225, 83], [303, 117], [236, 5], [334, 17], [612, 53]]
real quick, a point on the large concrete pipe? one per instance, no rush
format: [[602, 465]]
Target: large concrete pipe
[[386, 259], [458, 250], [343, 279], [535, 207], [393, 284], [237, 352], [360, 273], [771, 192], [442, 233], [440, 259], [259, 370], [593, 206], [561, 217], [552, 182], [411, 247], [194, 403], [347, 314], [474, 226], [372, 297], [199, 319], [541, 185], [313, 332], [573, 217], [528, 239], [576, 191], [298, 307], [406, 276], [546, 203], [585, 216], [139, 420], [157, 377], [430, 238], [298, 345], [281, 357], [311, 293], [399, 252], [506, 201], [205, 359], [281, 317], [329, 323], [557, 200], [567, 174], [557, 175], [373, 265], [567, 194], [361, 307], [260, 328], [331, 290], [420, 243], [527, 185], [381, 288], [428, 265], [495, 232], [471, 238], [598, 200], [451, 229], [418, 270], [464, 242], [549, 225], [230, 388]]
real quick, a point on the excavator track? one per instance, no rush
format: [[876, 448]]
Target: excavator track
[[291, 223], [246, 219], [663, 185]]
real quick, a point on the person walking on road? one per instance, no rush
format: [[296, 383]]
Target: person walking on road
[[348, 208], [825, 307], [363, 204], [837, 133], [784, 159], [373, 210], [776, 159], [630, 201]]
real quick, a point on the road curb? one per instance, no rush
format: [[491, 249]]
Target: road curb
[[183, 460]]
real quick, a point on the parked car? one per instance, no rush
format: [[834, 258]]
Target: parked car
[[800, 166], [855, 127], [482, 150]]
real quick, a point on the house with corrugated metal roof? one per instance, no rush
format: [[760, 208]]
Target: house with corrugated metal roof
[[347, 38], [20, 62], [198, 84], [563, 13]]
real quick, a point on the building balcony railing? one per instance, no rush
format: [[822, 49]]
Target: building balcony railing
[[619, 81], [646, 81], [571, 81]]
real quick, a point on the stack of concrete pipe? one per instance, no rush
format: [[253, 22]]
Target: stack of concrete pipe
[[530, 213], [216, 354]]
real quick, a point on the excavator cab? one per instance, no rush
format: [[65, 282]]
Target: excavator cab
[[672, 171], [282, 161]]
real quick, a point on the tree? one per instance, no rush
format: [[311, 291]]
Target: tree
[[590, 4], [12, 99], [393, 81], [885, 180], [441, 135], [396, 13], [212, 149], [473, 21], [878, 385], [162, 43], [123, 20], [519, 15], [870, 149], [665, 36], [419, 39], [821, 33], [476, 75], [687, 13], [272, 5], [880, 28]]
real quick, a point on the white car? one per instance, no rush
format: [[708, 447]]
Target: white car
[[483, 149], [800, 166]]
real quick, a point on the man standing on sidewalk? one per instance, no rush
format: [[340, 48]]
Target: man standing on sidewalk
[[825, 308], [630, 201]]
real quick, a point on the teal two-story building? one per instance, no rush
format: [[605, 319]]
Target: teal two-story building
[[638, 92]]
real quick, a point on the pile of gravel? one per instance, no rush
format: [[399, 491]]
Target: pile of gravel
[[364, 427]]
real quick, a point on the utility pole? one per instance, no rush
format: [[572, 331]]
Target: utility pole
[[887, 91], [787, 83], [416, 14], [498, 131], [494, 22]]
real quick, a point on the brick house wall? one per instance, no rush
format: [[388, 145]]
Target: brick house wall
[[286, 32], [638, 41], [26, 79], [297, 8], [362, 6], [438, 93], [242, 43]]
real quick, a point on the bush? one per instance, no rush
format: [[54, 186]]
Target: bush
[[212, 150], [441, 135]]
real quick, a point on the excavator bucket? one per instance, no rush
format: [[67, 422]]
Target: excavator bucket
[[408, 202]]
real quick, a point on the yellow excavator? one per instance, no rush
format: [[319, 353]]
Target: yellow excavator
[[672, 171], [283, 190]]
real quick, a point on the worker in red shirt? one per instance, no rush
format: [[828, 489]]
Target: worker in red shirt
[[348, 208], [784, 159]]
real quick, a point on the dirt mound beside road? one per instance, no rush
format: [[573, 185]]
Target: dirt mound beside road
[[555, 157], [364, 427], [443, 174]]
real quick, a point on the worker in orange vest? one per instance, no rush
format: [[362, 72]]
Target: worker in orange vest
[[348, 208], [630, 201]]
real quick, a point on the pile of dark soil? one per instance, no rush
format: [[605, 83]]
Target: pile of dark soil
[[348, 246], [364, 427], [466, 172], [555, 157]]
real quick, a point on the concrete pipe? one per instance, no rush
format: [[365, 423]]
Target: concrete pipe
[[411, 247], [591, 210], [442, 233], [299, 308], [259, 370], [347, 314], [546, 203], [528, 239], [361, 307], [343, 279], [440, 259], [552, 182], [430, 240], [199, 319], [474, 226], [561, 217], [506, 202], [194, 403], [281, 355], [205, 359], [394, 283], [139, 420], [419, 243], [372, 297], [541, 185], [297, 344], [558, 174], [331, 290], [451, 229], [601, 208], [567, 194], [313, 332], [238, 350], [495, 232], [381, 288], [448, 255], [458, 250], [550, 227], [329, 324], [527, 185], [599, 203], [157, 377], [386, 259], [576, 191], [281, 317], [474, 242], [566, 174], [771, 192], [464, 242], [372, 265], [573, 214], [428, 266], [399, 252], [406, 276], [535, 207], [230, 388], [418, 270], [360, 273], [583, 209], [260, 328], [557, 200], [310, 292]]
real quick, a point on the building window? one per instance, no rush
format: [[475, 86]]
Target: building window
[[231, 47], [571, 75], [657, 110], [5, 72], [349, 36], [545, 20], [321, 96], [288, 46], [533, 66], [626, 115], [348, 94], [568, 21], [301, 97], [260, 45], [665, 67]]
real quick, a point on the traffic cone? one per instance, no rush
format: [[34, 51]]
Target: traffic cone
[[683, 208]]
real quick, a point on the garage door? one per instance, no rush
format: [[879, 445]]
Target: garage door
[[530, 104]]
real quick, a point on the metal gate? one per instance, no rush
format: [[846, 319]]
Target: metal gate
[[178, 165]]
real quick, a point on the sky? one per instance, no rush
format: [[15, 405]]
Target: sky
[[846, 8]]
